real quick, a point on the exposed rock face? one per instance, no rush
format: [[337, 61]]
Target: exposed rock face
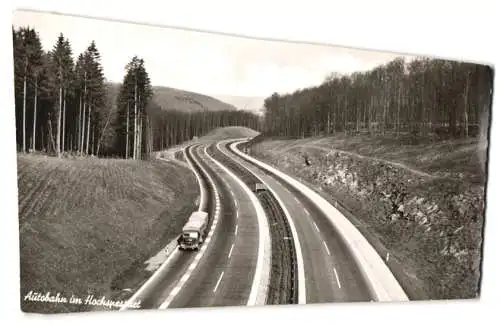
[[433, 222]]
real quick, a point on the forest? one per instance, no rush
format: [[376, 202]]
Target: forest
[[63, 106], [421, 97]]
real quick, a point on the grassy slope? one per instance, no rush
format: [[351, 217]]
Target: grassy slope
[[423, 203], [170, 99], [85, 223], [217, 134], [229, 132]]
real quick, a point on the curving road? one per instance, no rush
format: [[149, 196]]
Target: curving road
[[222, 272], [225, 275], [331, 274], [233, 266]]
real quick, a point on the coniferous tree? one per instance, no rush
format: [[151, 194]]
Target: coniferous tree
[[135, 91], [27, 66], [61, 68], [41, 73], [90, 94]]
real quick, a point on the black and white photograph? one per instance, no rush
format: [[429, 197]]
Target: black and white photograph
[[163, 168]]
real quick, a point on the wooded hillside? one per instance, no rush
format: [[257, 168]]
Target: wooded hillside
[[426, 97], [176, 99], [64, 104]]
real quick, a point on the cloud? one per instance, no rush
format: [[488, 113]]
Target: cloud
[[202, 62], [344, 63]]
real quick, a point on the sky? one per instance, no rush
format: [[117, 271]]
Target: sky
[[212, 64]]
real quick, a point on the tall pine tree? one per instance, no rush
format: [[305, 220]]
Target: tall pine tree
[[61, 70], [133, 98], [27, 67], [90, 99]]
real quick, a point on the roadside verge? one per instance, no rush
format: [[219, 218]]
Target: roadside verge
[[169, 251]]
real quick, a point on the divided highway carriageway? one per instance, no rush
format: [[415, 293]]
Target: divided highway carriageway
[[269, 240]]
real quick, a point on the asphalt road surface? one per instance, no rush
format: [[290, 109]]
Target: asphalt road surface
[[331, 274], [223, 276]]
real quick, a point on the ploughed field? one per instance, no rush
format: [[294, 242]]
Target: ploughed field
[[87, 226], [420, 203]]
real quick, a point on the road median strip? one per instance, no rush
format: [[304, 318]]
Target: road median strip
[[258, 292], [382, 283], [301, 298]]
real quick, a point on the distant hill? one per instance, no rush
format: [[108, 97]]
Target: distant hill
[[253, 104], [175, 99]]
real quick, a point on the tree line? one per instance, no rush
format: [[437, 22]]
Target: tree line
[[171, 127], [60, 102], [64, 105], [421, 97]]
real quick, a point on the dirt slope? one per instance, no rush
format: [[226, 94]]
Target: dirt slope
[[421, 203]]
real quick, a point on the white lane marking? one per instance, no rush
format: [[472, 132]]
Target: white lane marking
[[337, 276], [297, 200], [184, 278], [218, 281], [236, 203], [232, 194], [161, 269], [326, 247], [203, 249], [258, 292], [236, 231], [307, 212], [230, 251], [198, 256], [237, 214], [150, 280], [379, 277], [176, 290], [283, 186], [317, 229], [298, 249]]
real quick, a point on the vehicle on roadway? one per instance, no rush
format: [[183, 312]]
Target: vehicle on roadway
[[259, 187], [193, 232]]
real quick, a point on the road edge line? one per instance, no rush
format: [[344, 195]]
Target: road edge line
[[260, 285], [170, 253], [208, 240], [298, 249], [383, 285]]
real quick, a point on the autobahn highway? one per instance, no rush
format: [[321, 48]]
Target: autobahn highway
[[222, 272], [238, 263], [226, 276], [331, 275]]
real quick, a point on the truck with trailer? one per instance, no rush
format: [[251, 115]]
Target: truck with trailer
[[193, 232]]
